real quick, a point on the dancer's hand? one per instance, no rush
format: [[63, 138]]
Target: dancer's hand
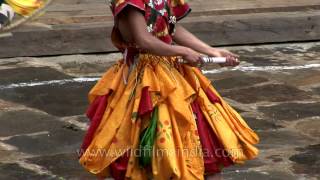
[[192, 57], [232, 59]]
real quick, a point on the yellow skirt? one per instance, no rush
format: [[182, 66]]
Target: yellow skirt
[[178, 149]]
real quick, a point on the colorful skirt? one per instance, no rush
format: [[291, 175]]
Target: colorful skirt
[[164, 120]]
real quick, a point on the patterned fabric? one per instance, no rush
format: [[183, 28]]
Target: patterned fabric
[[160, 15], [187, 104]]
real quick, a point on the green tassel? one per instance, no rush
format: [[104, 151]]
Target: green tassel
[[147, 140]]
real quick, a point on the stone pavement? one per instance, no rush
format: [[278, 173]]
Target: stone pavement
[[276, 89]]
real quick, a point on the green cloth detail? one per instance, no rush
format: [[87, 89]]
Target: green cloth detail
[[153, 18], [147, 140]]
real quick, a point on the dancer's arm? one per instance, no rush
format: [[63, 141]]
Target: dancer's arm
[[134, 22], [185, 38]]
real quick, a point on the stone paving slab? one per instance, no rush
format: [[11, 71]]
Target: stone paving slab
[[25, 118], [269, 175], [60, 100], [307, 161], [240, 82], [30, 74], [309, 127], [291, 111], [65, 166], [262, 124], [56, 141], [13, 171], [279, 138], [276, 89], [269, 92]]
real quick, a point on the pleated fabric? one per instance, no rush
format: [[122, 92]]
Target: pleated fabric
[[197, 132]]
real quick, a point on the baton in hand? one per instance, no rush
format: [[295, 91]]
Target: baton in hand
[[207, 60]]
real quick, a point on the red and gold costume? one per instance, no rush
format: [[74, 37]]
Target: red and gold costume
[[148, 102]]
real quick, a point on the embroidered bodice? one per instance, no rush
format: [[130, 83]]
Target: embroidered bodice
[[160, 15]]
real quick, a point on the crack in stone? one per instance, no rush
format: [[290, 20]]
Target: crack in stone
[[27, 134], [36, 168]]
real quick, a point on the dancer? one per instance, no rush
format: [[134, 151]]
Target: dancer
[[154, 117]]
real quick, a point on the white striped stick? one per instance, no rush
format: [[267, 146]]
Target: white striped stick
[[205, 60]]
